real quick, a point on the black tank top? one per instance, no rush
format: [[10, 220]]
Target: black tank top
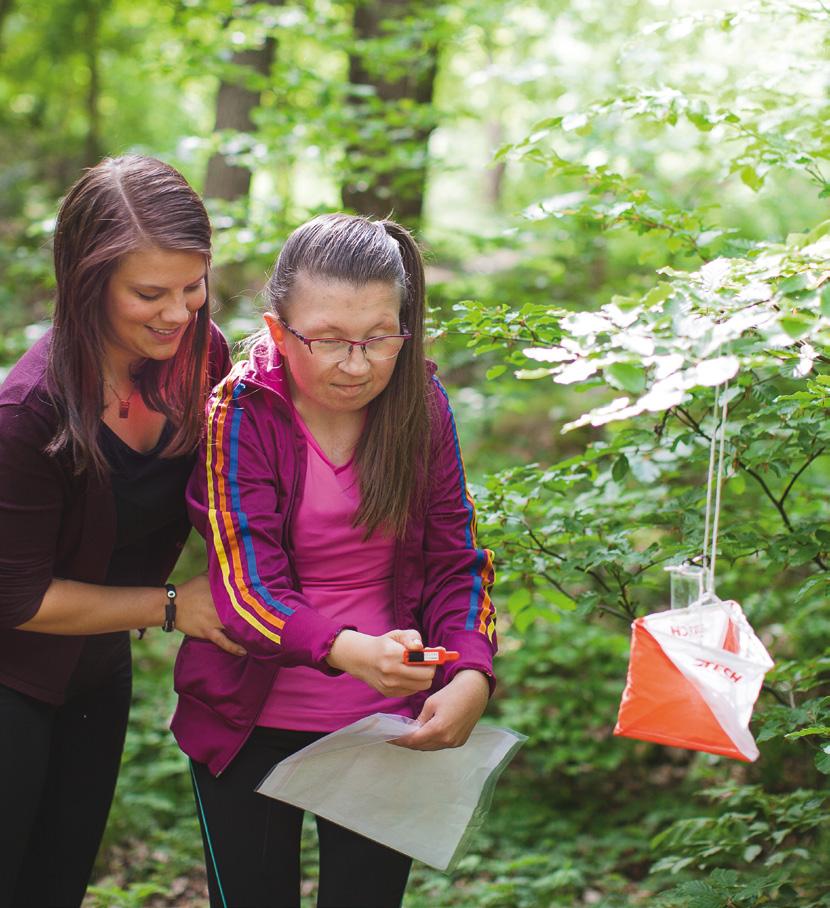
[[149, 498]]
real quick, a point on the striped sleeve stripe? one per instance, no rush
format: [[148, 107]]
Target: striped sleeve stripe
[[229, 523], [236, 508], [481, 614]]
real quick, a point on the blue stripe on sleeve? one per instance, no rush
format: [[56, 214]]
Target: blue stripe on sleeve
[[236, 501]]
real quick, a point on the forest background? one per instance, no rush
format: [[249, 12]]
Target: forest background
[[623, 206]]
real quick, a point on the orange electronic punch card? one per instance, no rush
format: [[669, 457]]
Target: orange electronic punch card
[[429, 656]]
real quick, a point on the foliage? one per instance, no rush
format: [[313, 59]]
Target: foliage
[[588, 533]]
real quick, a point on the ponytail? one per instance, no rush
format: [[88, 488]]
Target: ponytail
[[392, 457]]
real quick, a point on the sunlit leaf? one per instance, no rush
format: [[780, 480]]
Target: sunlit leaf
[[626, 377]]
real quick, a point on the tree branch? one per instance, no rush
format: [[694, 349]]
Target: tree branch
[[555, 583], [645, 567], [778, 506], [694, 424], [781, 698], [660, 428], [545, 550], [804, 466], [612, 611], [690, 421]]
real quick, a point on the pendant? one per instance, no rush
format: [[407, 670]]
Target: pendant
[[123, 405]]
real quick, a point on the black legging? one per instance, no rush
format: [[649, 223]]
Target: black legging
[[58, 767], [252, 842]]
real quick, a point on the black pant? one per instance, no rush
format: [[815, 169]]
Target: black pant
[[252, 842], [58, 766]]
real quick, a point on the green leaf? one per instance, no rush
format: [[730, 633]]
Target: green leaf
[[525, 618], [657, 294], [699, 120], [796, 325], [626, 303], [620, 469], [701, 895], [531, 374], [794, 284], [626, 376], [823, 760], [495, 372], [518, 599], [737, 484], [816, 233], [558, 598], [751, 852], [811, 730], [750, 177]]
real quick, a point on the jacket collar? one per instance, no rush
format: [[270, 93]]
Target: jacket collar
[[264, 369]]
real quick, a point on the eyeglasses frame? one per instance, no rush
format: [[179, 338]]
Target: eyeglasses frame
[[308, 341]]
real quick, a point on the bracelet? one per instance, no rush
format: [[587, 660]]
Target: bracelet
[[169, 609]]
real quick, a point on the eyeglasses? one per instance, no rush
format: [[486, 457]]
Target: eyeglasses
[[338, 349]]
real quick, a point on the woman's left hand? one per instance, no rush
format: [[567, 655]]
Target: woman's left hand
[[450, 714]]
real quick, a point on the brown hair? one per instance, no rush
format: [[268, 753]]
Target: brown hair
[[120, 206], [391, 456]]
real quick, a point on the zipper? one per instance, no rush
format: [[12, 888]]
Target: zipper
[[288, 546], [297, 479], [396, 564]]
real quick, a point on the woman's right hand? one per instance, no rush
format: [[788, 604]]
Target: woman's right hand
[[378, 661], [196, 615]]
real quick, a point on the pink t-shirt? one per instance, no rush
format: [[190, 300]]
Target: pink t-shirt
[[347, 579]]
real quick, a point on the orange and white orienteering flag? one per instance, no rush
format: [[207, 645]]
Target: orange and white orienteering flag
[[693, 678]]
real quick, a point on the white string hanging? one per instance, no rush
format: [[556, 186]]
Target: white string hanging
[[710, 477], [694, 584], [713, 490]]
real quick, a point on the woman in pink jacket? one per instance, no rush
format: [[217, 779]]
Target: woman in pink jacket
[[340, 534]]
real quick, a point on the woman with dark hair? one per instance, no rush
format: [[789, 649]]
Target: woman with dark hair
[[332, 496], [99, 423]]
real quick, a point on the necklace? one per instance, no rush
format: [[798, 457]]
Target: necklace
[[123, 403]]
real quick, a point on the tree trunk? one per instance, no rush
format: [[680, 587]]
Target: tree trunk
[[5, 9], [92, 143], [371, 188], [234, 104], [495, 132], [494, 176]]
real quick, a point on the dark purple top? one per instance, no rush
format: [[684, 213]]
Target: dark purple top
[[56, 524]]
